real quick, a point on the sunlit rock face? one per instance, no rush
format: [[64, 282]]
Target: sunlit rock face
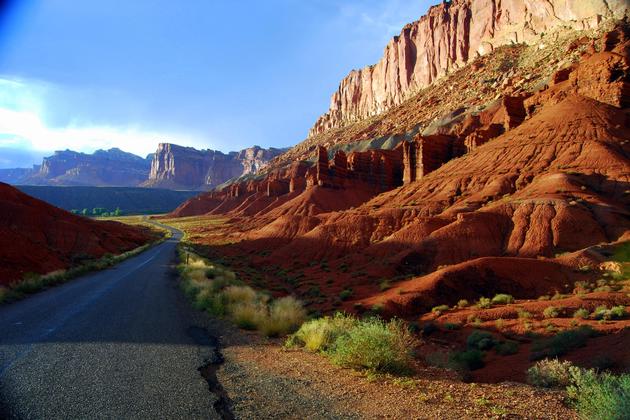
[[447, 37], [176, 166]]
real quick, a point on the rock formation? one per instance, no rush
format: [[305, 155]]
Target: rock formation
[[111, 167], [447, 37], [181, 167]]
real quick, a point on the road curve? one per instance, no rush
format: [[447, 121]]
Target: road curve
[[112, 344]]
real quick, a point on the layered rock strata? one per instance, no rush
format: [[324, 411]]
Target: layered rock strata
[[448, 36]]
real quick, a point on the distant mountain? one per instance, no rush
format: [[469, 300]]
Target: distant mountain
[[15, 175], [111, 167], [180, 167]]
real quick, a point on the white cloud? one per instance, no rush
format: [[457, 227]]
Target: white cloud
[[23, 123]]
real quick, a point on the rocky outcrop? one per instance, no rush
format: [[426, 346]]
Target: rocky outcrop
[[181, 167], [111, 168], [447, 37]]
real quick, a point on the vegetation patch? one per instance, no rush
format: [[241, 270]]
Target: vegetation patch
[[372, 344], [215, 289], [600, 395], [502, 299], [550, 373], [561, 343], [32, 282]]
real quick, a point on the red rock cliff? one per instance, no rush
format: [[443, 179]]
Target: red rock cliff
[[447, 37]]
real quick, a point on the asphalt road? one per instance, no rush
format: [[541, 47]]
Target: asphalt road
[[113, 344]]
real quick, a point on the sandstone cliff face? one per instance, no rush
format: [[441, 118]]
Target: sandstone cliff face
[[447, 37], [175, 166], [113, 168]]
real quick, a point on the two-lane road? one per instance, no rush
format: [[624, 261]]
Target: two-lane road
[[112, 344]]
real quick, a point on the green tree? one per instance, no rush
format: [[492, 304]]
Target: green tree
[[117, 212], [84, 212]]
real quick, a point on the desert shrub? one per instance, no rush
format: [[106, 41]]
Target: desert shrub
[[581, 313], [561, 343], [499, 323], [439, 309], [523, 314], [549, 373], [600, 395], [616, 312], [462, 303], [502, 299], [480, 340], [484, 303], [319, 334], [384, 285], [285, 316], [375, 345], [551, 312], [239, 294], [463, 361], [505, 348], [345, 294], [248, 315], [451, 326]]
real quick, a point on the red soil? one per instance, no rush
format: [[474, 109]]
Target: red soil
[[36, 237]]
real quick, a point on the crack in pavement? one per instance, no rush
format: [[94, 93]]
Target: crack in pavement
[[212, 362]]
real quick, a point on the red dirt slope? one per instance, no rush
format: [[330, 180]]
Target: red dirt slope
[[39, 238]]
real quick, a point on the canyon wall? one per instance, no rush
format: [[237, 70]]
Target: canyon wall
[[447, 37], [181, 167]]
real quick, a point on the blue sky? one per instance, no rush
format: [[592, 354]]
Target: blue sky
[[213, 74]]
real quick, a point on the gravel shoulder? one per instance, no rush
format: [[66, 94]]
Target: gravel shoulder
[[264, 380]]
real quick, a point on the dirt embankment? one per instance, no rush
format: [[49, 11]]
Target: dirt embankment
[[36, 237]]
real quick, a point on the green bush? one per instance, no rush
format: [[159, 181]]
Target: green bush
[[600, 396], [462, 303], [551, 312], [480, 340], [464, 361], [503, 299], [505, 348], [581, 313], [384, 285], [375, 345], [319, 334], [285, 316], [484, 303], [345, 294], [616, 312], [549, 373], [561, 343], [247, 315], [439, 309]]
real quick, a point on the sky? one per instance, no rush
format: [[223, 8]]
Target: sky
[[218, 74]]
